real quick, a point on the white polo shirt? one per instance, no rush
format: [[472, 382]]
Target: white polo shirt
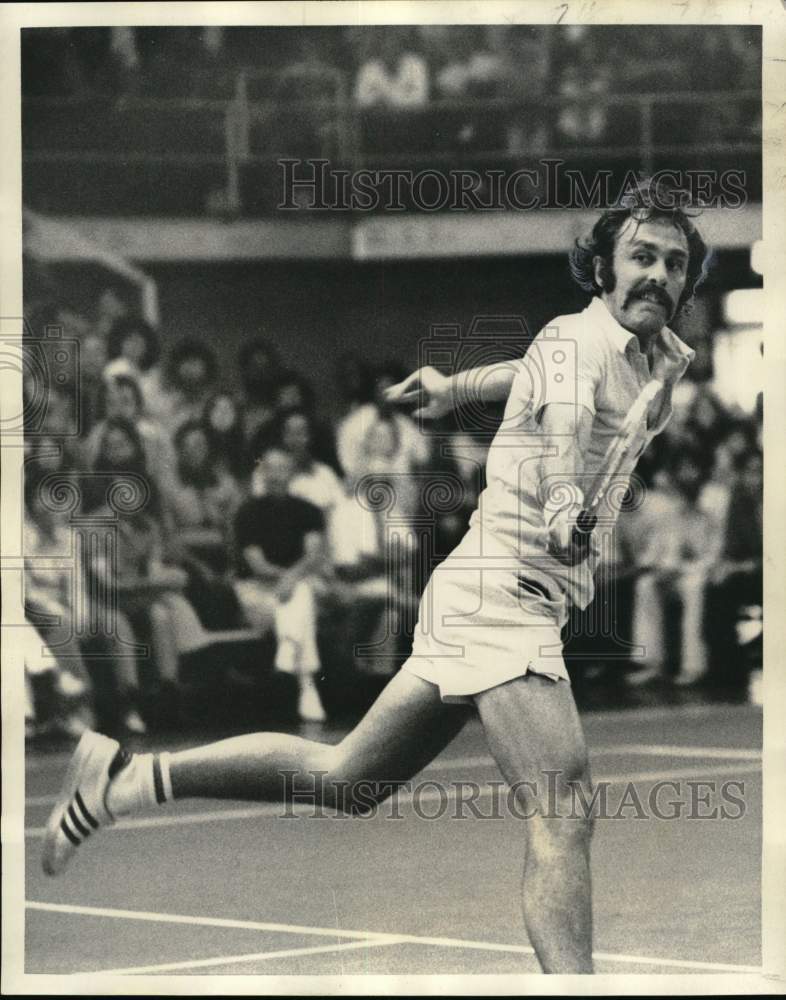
[[587, 360]]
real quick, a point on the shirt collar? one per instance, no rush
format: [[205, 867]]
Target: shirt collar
[[671, 356]]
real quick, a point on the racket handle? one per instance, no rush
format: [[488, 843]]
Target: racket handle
[[585, 525]]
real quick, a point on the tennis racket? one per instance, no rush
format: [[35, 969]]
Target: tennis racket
[[618, 455]]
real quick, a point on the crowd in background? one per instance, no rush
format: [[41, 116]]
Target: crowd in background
[[202, 116], [401, 69], [246, 516]]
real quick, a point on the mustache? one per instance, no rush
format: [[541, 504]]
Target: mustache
[[653, 291]]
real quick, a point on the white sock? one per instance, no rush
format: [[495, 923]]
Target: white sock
[[142, 784]]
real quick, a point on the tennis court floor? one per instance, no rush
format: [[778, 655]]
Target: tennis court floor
[[214, 888]]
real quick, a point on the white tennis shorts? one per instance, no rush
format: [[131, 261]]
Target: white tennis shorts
[[481, 622]]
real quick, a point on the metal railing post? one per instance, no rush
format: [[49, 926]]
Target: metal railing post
[[647, 155]]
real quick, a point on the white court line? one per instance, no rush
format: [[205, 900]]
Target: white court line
[[634, 749], [273, 809], [659, 750], [260, 956], [369, 936]]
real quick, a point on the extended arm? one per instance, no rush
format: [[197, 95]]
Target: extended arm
[[438, 394]]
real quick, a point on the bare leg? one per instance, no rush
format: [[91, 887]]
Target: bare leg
[[403, 731], [532, 727]]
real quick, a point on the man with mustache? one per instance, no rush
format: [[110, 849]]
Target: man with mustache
[[488, 636]]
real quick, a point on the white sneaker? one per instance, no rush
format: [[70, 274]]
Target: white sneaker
[[309, 705], [81, 806]]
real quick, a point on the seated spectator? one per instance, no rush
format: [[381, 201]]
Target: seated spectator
[[280, 541], [397, 77], [295, 393], [191, 373], [122, 399], [223, 421], [412, 448], [677, 548], [204, 498], [390, 86], [133, 349], [259, 368], [56, 596], [736, 579], [311, 480], [148, 582]]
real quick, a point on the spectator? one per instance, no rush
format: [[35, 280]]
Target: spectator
[[122, 399], [259, 368], [133, 349], [354, 446], [280, 541], [191, 373], [204, 498], [677, 549], [390, 87], [148, 584], [311, 480], [397, 77], [295, 393], [223, 420], [59, 594], [736, 580]]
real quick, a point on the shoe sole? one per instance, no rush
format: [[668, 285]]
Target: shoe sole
[[89, 744]]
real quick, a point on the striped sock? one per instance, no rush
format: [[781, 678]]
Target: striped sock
[[143, 783]]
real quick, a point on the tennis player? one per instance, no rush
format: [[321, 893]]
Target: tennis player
[[488, 635]]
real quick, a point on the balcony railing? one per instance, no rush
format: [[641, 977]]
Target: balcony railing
[[187, 156]]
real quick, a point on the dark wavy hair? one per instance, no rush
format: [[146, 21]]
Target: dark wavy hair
[[186, 349], [136, 466], [647, 201]]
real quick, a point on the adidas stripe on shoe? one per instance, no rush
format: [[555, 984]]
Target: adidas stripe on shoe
[[81, 807]]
